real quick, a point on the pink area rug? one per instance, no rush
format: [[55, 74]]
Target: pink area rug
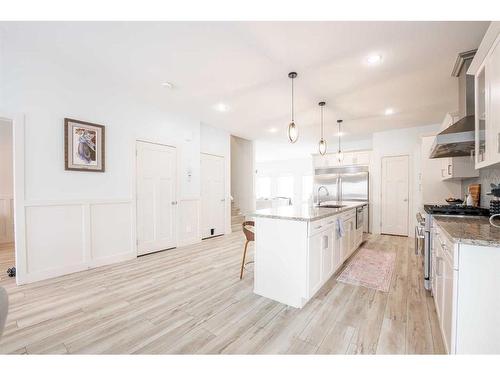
[[371, 269]]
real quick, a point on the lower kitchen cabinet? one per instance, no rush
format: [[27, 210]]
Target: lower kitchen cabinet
[[349, 242], [464, 282], [316, 243]]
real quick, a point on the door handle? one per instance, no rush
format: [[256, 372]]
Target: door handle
[[223, 200], [405, 200], [174, 203]]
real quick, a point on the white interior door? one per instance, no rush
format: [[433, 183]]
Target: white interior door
[[213, 202], [395, 207], [156, 197]]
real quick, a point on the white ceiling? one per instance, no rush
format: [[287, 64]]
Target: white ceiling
[[245, 65]]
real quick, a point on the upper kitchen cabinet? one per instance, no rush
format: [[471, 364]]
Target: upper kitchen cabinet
[[350, 158], [486, 70], [460, 166]]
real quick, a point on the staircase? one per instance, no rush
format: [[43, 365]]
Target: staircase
[[236, 218]]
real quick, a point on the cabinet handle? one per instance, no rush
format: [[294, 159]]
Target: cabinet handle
[[449, 170], [438, 269]]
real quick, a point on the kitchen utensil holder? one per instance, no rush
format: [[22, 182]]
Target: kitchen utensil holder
[[494, 207]]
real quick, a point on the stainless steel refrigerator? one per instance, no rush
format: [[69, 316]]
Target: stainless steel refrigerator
[[349, 183]]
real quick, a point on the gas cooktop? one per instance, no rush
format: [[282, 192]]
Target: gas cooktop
[[455, 209]]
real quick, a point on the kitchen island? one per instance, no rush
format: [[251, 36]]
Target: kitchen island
[[298, 248]]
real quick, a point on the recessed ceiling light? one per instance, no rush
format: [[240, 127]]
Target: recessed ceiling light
[[389, 111], [168, 85], [374, 59], [221, 107], [273, 130]]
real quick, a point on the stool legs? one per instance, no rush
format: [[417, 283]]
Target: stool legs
[[243, 261]]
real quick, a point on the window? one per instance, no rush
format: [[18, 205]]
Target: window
[[284, 187], [307, 188], [263, 187]]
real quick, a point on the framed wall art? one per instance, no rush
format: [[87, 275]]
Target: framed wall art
[[84, 146]]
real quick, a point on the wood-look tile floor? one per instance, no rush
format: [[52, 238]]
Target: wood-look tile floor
[[190, 300]]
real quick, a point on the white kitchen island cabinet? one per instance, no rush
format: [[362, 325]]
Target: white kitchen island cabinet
[[297, 249]]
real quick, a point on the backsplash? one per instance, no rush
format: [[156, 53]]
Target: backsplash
[[486, 177]]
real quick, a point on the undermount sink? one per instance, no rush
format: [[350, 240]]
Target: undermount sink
[[330, 205]]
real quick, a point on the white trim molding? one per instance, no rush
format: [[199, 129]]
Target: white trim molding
[[69, 236]]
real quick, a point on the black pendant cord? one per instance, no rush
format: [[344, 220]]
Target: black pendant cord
[[338, 122], [292, 103], [321, 122]]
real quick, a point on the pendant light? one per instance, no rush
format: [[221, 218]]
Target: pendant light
[[293, 131], [322, 142], [340, 155]]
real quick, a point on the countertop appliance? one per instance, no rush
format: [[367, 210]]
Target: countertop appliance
[[423, 230], [346, 183]]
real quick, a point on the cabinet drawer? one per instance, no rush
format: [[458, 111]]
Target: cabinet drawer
[[447, 246], [348, 215], [320, 225]]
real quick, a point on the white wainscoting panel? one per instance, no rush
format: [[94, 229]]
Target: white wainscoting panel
[[6, 219], [55, 238], [189, 222], [66, 237], [111, 233]]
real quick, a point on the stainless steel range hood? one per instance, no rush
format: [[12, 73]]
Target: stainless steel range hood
[[459, 138]]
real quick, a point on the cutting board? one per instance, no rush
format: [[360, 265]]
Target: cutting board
[[475, 193]]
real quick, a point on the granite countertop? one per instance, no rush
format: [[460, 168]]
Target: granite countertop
[[471, 230], [306, 212]]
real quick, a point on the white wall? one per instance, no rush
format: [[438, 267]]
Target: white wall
[[391, 143], [217, 141], [242, 174], [6, 183], [78, 220]]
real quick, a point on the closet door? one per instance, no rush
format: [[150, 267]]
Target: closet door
[[213, 202], [156, 197]]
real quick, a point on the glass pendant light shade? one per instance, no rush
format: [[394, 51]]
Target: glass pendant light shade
[[322, 146], [293, 132], [340, 155]]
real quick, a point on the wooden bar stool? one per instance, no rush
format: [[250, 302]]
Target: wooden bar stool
[[250, 235]]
